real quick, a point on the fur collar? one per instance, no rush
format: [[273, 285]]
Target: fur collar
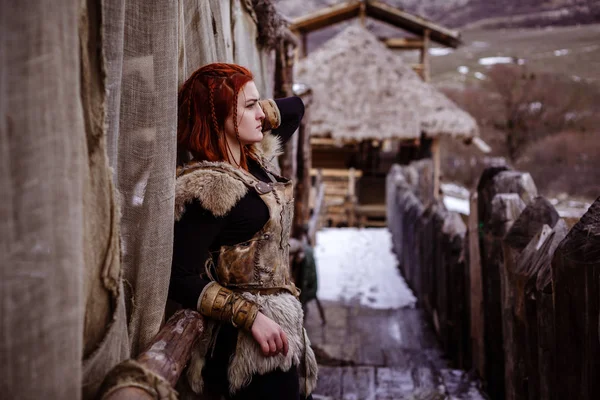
[[218, 185]]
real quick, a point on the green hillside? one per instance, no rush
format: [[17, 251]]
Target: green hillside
[[574, 51]]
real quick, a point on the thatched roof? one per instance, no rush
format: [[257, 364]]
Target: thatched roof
[[362, 90]]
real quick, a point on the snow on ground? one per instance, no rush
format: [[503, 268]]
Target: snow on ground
[[500, 60], [495, 60], [455, 204], [440, 51], [358, 265]]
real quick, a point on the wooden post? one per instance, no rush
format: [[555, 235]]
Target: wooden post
[[505, 209], [435, 154], [425, 55], [303, 165], [351, 198], [534, 217], [545, 316], [363, 14], [476, 291], [452, 296], [411, 232], [576, 274], [320, 208], [495, 180], [304, 41]]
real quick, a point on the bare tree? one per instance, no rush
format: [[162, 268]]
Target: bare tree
[[536, 104]]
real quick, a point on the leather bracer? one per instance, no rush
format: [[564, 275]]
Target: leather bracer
[[272, 115], [223, 304]]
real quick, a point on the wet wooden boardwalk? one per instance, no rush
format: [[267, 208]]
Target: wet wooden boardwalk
[[367, 353]]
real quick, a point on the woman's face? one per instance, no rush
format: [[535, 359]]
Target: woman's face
[[249, 114]]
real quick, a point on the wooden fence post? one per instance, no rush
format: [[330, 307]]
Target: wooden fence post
[[576, 274], [413, 210], [476, 291], [495, 180], [531, 221], [505, 209], [540, 317], [453, 299]]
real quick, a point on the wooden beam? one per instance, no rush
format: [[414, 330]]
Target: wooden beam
[[318, 141], [335, 173], [403, 43], [412, 23], [326, 17]]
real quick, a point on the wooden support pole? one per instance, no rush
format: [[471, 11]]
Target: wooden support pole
[[425, 55], [363, 14], [304, 41], [435, 154]]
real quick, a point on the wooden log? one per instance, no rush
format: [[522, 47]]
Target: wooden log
[[423, 178], [476, 291], [426, 253], [453, 298], [525, 310], [166, 357], [576, 273], [495, 180], [505, 208], [528, 224], [410, 233], [437, 287], [546, 358]]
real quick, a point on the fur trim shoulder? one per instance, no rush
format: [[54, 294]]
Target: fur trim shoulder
[[269, 147], [216, 185]]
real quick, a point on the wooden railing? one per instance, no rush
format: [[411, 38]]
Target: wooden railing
[[516, 297]]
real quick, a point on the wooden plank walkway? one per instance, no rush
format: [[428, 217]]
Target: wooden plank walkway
[[367, 353]]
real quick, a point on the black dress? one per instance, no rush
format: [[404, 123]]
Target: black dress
[[198, 234]]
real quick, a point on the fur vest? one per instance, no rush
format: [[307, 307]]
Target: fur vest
[[261, 262]]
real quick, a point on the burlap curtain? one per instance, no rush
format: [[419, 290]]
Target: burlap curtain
[[61, 295], [88, 95]]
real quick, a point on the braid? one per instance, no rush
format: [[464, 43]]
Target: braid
[[213, 113], [190, 90], [235, 119]]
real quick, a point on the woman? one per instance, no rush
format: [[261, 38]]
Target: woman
[[230, 258]]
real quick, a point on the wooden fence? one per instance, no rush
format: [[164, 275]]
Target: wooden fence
[[515, 295]]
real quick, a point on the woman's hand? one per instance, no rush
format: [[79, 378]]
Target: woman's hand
[[269, 335]]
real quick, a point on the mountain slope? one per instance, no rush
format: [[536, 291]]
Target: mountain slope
[[478, 13]]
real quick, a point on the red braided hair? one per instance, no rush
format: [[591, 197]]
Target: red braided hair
[[205, 101]]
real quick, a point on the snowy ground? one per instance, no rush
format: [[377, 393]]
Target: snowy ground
[[358, 265]]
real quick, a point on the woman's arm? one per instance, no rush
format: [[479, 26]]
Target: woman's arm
[[194, 234], [291, 110]]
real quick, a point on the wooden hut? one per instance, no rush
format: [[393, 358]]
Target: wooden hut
[[368, 108]]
